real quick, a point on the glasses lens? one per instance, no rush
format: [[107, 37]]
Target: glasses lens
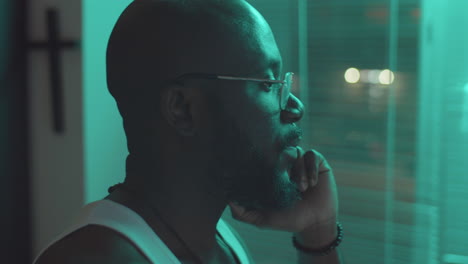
[[288, 79]]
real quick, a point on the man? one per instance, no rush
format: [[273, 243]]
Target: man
[[210, 122]]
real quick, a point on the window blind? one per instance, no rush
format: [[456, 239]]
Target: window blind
[[396, 135]]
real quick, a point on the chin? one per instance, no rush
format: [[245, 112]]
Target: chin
[[281, 193]]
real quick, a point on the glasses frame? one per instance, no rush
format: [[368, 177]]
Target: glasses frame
[[285, 83]]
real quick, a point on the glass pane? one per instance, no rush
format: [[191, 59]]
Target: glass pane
[[363, 63]]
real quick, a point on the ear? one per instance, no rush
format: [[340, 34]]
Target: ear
[[175, 106]]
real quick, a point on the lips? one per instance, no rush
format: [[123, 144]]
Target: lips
[[291, 155], [293, 140], [290, 149]]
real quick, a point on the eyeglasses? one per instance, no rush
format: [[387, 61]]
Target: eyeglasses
[[284, 87]]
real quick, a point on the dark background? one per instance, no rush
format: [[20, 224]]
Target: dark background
[[14, 192]]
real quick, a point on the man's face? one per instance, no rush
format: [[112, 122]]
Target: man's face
[[251, 134], [254, 166]]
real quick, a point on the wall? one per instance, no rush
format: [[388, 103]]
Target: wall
[[56, 159]]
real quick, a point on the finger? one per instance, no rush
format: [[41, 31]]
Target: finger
[[321, 163], [299, 174], [253, 217], [311, 165], [236, 210]]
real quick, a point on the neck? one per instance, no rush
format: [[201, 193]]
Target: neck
[[188, 206]]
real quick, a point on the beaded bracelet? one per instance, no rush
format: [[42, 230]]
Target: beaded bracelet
[[323, 251]]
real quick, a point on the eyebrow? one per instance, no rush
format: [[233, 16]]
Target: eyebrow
[[273, 64]]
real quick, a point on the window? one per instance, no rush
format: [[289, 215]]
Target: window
[[385, 84]]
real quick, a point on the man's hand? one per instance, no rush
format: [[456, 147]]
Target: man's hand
[[318, 208]]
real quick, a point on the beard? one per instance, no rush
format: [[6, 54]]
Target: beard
[[247, 177]]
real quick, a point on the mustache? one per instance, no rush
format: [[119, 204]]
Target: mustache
[[292, 138]]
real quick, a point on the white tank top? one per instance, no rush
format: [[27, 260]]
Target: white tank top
[[131, 225]]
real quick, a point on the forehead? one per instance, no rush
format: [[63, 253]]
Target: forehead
[[264, 44], [251, 39]]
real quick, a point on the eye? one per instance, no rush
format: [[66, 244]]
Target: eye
[[267, 86]]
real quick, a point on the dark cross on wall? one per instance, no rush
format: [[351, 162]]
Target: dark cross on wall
[[53, 45]]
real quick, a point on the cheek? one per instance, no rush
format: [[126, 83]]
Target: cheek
[[253, 114], [262, 135], [266, 103]]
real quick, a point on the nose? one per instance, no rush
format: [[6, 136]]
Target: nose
[[294, 110]]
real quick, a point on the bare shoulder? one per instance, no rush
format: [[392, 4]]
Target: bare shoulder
[[93, 244]]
